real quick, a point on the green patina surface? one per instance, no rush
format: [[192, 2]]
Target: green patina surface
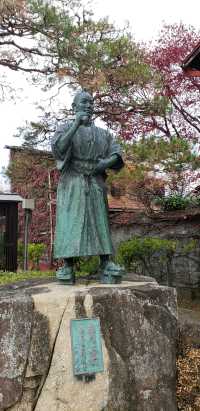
[[82, 227], [86, 346]]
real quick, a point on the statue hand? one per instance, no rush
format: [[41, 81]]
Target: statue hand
[[81, 118], [101, 167], [105, 163]]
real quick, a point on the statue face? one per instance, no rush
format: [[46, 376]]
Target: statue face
[[85, 104]]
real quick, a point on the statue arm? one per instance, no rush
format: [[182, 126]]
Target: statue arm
[[112, 161], [113, 158], [115, 153], [63, 138], [105, 163]]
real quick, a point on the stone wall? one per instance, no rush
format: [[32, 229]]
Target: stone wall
[[178, 225]]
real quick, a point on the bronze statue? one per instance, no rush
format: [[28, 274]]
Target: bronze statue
[[83, 153]]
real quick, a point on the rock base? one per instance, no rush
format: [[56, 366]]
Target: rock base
[[139, 335]]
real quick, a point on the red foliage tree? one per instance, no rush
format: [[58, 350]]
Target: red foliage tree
[[174, 44], [169, 104], [33, 175]]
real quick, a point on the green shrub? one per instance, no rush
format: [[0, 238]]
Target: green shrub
[[174, 202], [154, 256], [189, 247], [142, 249], [35, 252], [86, 265], [20, 253], [141, 254]]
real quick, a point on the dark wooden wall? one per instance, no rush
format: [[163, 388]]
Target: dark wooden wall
[[8, 235]]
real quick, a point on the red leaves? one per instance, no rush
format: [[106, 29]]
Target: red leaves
[[29, 173], [167, 104]]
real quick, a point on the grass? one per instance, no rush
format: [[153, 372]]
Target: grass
[[83, 267], [9, 277]]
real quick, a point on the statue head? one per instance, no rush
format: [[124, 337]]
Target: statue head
[[83, 102]]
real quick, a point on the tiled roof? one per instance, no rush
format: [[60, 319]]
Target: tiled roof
[[193, 59]]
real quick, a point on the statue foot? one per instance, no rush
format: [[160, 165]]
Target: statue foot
[[66, 275], [112, 273]]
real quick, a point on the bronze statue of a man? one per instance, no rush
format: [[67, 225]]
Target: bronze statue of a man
[[83, 153]]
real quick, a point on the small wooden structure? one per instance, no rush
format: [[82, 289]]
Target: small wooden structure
[[8, 231], [191, 64]]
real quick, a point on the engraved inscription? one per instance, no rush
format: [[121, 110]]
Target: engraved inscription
[[86, 346]]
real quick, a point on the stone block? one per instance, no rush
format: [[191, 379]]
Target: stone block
[[139, 337]]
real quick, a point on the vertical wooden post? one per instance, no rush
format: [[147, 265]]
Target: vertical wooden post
[[27, 218], [28, 205], [50, 217]]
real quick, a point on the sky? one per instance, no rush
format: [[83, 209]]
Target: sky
[[145, 18]]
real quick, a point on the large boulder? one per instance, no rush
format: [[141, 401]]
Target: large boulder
[[16, 314], [139, 336]]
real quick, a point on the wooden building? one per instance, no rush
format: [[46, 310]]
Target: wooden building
[[8, 231], [191, 64]]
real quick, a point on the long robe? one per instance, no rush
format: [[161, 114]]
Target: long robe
[[82, 226]]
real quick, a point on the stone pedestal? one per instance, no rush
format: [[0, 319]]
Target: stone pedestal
[[139, 332]]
